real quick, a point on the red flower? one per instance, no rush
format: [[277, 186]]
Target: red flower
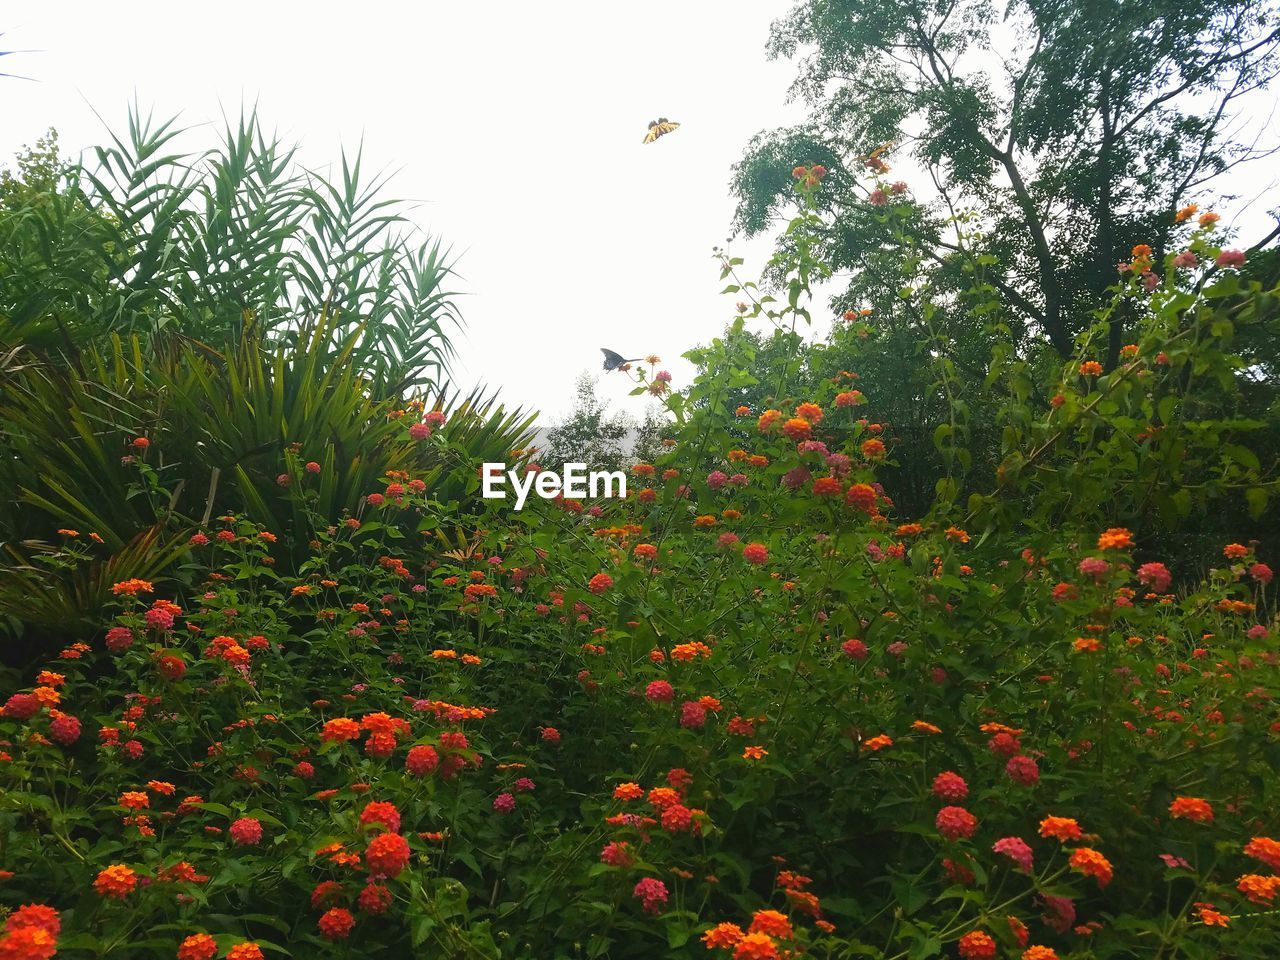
[[755, 553], [374, 898], [422, 760], [600, 583], [382, 813], [28, 943], [246, 831], [955, 823], [336, 924], [387, 855], [35, 916], [854, 649], [976, 945]]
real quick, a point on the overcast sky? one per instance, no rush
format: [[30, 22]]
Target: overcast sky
[[517, 125]]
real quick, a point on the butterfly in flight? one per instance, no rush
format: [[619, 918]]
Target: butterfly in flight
[[659, 128], [872, 159], [612, 361]]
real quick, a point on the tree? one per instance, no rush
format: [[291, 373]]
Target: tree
[[602, 440], [1057, 134]]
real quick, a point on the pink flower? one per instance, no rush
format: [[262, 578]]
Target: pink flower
[[854, 648], [717, 479], [617, 854], [652, 893], [949, 785], [504, 803], [1022, 770], [1062, 912], [1094, 567], [1231, 258], [1016, 849], [1261, 572], [1156, 576], [692, 715], [1185, 260], [660, 691], [878, 197]]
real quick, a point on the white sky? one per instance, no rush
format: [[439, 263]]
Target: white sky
[[517, 124]]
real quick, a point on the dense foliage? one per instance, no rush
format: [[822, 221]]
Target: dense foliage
[[229, 307], [750, 711]]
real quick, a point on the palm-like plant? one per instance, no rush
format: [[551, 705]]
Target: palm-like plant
[[242, 315], [152, 240]]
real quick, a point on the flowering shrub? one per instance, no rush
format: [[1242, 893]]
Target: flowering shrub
[[746, 712]]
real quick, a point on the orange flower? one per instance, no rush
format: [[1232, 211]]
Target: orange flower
[[134, 800], [773, 923], [1191, 808], [878, 743], [755, 946], [628, 791], [245, 951], [1264, 849], [1091, 863], [116, 881], [1260, 890], [767, 419], [339, 730], [797, 429], [722, 936], [131, 588], [1087, 644], [1234, 551], [873, 449], [754, 753], [1116, 538], [1211, 917], [809, 411], [1039, 953], [921, 726], [1060, 828]]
